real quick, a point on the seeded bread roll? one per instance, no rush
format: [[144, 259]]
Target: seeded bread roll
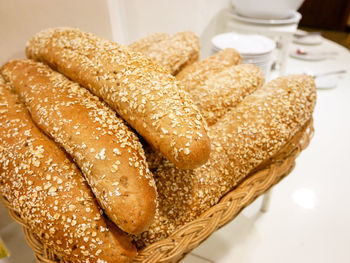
[[248, 135], [215, 84], [143, 93], [197, 73], [172, 52], [144, 44], [217, 95], [50, 194], [225, 89], [106, 150]]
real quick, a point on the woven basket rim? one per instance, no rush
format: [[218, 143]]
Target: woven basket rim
[[186, 238]]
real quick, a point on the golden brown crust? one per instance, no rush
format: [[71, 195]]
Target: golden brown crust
[[143, 94], [225, 89], [106, 150], [144, 44], [197, 73], [217, 84], [49, 192], [221, 91], [171, 52], [244, 138]]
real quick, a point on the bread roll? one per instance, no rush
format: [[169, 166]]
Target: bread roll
[[197, 73], [48, 191], [172, 52], [105, 149], [145, 43], [214, 83], [247, 136], [223, 90], [143, 94]]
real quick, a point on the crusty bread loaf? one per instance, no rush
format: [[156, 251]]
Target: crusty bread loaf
[[106, 150], [248, 135], [197, 73], [145, 43], [49, 192], [224, 89], [143, 93], [172, 52], [215, 84]]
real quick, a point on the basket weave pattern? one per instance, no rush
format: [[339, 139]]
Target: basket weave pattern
[[189, 236]]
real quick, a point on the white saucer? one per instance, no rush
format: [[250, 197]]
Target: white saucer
[[308, 56], [327, 82], [295, 18], [309, 40]]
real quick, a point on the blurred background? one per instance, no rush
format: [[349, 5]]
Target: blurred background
[[331, 17], [125, 21]]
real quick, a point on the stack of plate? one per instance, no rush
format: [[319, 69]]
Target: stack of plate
[[254, 49]]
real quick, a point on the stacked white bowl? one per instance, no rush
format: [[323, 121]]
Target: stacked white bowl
[[267, 9], [254, 49]]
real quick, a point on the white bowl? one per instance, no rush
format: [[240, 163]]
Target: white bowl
[[257, 59], [245, 44], [254, 49], [267, 9]]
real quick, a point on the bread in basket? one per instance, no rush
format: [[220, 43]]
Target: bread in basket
[[256, 132]]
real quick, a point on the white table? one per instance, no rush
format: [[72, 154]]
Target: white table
[[308, 220], [309, 216]]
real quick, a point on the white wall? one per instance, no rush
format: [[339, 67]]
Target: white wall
[[133, 19], [122, 20], [20, 19]]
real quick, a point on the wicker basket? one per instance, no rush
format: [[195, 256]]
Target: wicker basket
[[188, 237]]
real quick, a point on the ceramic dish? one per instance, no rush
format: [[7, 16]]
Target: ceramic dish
[[245, 44], [294, 18]]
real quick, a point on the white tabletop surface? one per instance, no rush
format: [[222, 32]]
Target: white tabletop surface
[[308, 219]]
